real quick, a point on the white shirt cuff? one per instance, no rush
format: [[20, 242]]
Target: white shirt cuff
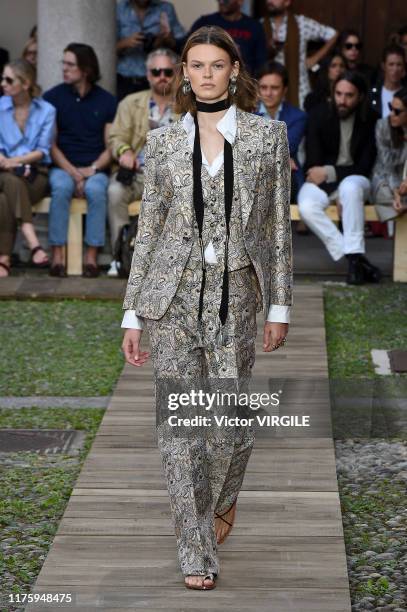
[[132, 321], [279, 314]]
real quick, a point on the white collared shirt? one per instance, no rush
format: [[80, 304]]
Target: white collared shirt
[[227, 126]]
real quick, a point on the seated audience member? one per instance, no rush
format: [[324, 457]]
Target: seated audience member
[[389, 177], [26, 131], [340, 153], [287, 36], [30, 51], [247, 32], [80, 154], [142, 26], [136, 115], [394, 72], [273, 84], [350, 46], [331, 68]]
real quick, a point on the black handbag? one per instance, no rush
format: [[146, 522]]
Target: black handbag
[[124, 247]]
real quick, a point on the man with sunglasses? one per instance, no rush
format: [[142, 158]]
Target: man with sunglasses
[[393, 78], [137, 114]]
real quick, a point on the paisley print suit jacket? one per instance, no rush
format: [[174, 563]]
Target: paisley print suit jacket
[[167, 219]]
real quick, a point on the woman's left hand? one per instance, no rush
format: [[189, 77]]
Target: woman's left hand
[[274, 335], [8, 163]]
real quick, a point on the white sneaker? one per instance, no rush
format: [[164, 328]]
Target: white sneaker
[[113, 271]]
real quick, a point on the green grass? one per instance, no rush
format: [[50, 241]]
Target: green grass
[[71, 347], [359, 319], [34, 491]]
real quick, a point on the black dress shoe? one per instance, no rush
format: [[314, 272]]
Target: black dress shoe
[[355, 270], [371, 273], [58, 270]]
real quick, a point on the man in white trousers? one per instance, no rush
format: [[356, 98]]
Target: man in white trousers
[[340, 153]]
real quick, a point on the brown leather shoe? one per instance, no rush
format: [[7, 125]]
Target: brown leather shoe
[[58, 270], [91, 271]]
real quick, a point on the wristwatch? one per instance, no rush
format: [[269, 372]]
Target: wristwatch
[[95, 168]]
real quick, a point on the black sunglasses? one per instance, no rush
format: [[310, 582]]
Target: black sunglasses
[[168, 72], [396, 111], [8, 80], [350, 46]]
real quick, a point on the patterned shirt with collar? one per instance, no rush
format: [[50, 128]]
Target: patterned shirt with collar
[[156, 120], [309, 29]]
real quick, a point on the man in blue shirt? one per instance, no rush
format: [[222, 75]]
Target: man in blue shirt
[[247, 33], [142, 25], [81, 156], [273, 85]]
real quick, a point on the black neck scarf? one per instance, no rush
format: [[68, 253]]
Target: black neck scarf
[[199, 203]]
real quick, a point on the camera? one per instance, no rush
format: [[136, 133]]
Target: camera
[[125, 176], [148, 42]]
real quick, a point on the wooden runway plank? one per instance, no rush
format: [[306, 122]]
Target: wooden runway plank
[[115, 546]]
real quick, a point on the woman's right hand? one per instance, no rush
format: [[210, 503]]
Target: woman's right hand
[[134, 40], [131, 348]]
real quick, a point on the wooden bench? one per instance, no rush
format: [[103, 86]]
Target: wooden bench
[[79, 207]]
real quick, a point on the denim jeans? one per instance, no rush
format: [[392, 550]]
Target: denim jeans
[[62, 190]]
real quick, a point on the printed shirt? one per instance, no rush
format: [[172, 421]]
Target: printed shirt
[[309, 29], [156, 120]]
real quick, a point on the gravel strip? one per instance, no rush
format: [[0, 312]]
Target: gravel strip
[[372, 477]]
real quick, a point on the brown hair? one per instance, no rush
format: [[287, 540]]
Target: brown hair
[[25, 71], [245, 97], [86, 59]]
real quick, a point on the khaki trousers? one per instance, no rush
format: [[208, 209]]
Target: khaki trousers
[[119, 198], [17, 195]]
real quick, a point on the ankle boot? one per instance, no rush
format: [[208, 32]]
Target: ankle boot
[[355, 274], [371, 273]]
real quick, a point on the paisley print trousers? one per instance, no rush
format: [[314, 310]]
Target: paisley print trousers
[[204, 469]]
